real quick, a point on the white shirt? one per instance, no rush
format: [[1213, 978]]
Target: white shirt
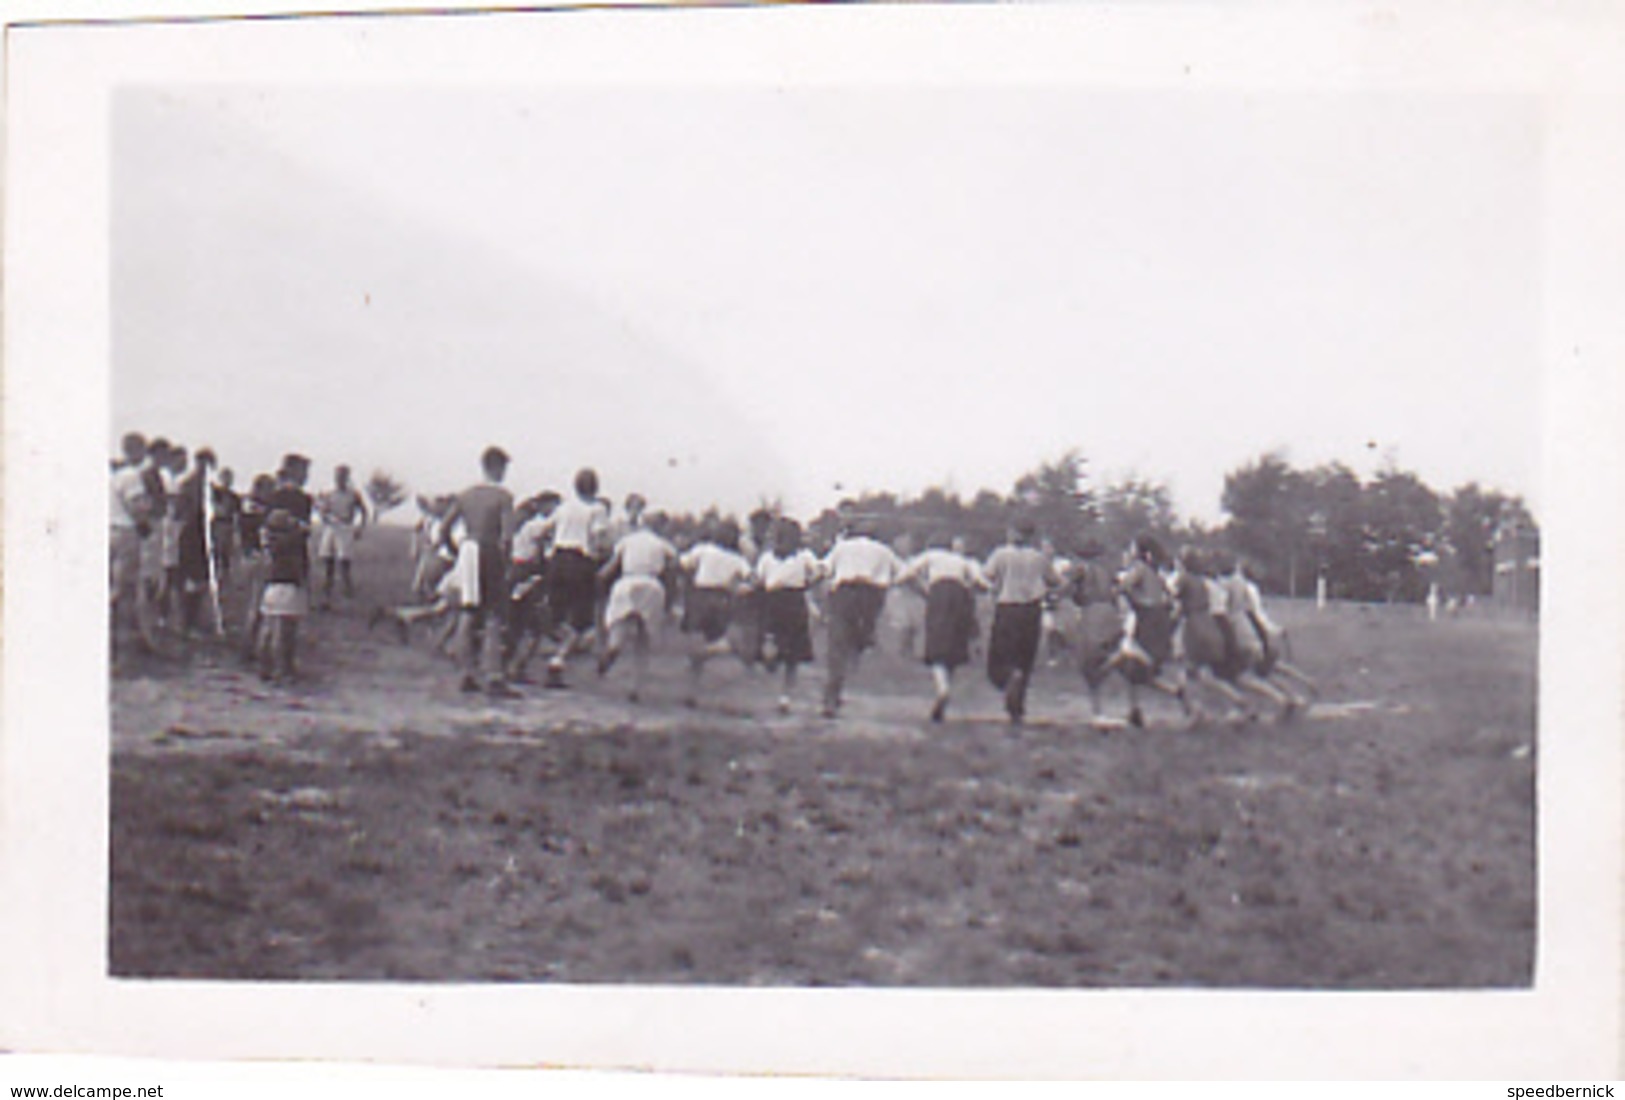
[[530, 541], [128, 495], [1244, 598], [1019, 574], [799, 570], [862, 559], [644, 554], [715, 567], [577, 524], [945, 565]]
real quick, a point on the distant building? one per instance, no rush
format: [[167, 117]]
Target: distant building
[[1516, 583]]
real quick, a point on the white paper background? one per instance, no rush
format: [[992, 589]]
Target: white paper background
[[54, 767]]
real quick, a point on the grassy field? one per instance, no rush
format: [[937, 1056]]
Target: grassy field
[[376, 824]]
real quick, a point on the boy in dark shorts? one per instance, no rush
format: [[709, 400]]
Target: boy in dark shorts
[[578, 529], [860, 569]]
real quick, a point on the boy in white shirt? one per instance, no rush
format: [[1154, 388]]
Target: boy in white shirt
[[638, 566], [530, 615], [950, 581], [860, 569], [1021, 576], [784, 574], [128, 525], [717, 575], [578, 529]]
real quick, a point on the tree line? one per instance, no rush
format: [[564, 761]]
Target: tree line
[[1383, 539]]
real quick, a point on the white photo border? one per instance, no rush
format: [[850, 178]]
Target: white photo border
[[54, 753]]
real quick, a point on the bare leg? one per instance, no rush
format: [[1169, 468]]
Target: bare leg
[[838, 662], [288, 647], [1135, 716], [1296, 676], [569, 645], [640, 658], [698, 654], [943, 678], [473, 637], [1262, 688], [1217, 686], [788, 689], [1094, 683]]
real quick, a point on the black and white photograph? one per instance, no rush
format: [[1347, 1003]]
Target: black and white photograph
[[804, 531]]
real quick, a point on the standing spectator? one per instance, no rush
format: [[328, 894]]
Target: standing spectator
[[225, 525], [343, 513], [285, 596], [192, 562], [129, 524]]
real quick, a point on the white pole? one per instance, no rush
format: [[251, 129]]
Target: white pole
[[1433, 602], [1320, 592], [208, 554]]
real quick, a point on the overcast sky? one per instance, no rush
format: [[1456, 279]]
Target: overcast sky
[[723, 295]]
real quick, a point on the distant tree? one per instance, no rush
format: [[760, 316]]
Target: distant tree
[[385, 492], [1336, 528], [1270, 506], [985, 524], [1471, 517], [1056, 496], [1132, 506], [1402, 519]]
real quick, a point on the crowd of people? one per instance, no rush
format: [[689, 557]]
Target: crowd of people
[[179, 532], [569, 576]]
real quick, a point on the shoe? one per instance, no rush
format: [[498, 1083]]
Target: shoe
[[469, 685], [1136, 719], [632, 696], [500, 690], [555, 679], [939, 709], [784, 704]]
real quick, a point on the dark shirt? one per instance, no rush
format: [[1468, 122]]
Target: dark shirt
[[249, 523], [295, 545], [285, 545], [488, 512], [1091, 584], [228, 506], [1191, 591], [294, 501]]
